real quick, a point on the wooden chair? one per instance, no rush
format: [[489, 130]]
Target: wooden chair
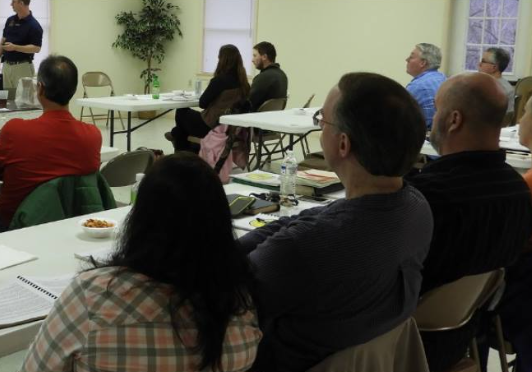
[[523, 91], [97, 79], [452, 305]]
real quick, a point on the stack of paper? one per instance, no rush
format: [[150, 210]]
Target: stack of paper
[[11, 257]]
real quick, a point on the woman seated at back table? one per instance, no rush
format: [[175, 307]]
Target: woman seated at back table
[[228, 86], [175, 294]]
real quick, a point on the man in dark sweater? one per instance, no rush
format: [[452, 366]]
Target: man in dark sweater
[[271, 82], [341, 275], [481, 205]]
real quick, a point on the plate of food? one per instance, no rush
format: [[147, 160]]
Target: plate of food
[[98, 227]]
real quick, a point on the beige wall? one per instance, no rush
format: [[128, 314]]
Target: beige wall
[[317, 40], [84, 30]]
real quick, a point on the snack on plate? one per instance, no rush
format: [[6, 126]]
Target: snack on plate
[[96, 223]]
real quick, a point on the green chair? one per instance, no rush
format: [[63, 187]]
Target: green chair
[[64, 197]]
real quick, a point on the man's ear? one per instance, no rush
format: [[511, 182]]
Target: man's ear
[[344, 147], [456, 120]]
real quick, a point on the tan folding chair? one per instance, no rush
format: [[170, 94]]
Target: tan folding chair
[[97, 79], [399, 350], [121, 170], [452, 305], [523, 91], [267, 141]]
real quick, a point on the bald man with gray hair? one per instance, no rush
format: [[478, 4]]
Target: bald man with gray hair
[[482, 207], [423, 64]]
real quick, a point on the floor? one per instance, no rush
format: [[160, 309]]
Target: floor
[[152, 136]]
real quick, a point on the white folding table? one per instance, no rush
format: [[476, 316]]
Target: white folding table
[[292, 122], [130, 104]]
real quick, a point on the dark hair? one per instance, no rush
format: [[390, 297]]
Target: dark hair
[[230, 63], [501, 58], [479, 106], [383, 122], [59, 78], [26, 2], [179, 232], [267, 48]]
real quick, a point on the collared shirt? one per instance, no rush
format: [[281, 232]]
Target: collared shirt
[[482, 214], [423, 88], [510, 92], [120, 321], [23, 31]]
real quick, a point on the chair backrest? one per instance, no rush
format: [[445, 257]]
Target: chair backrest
[[96, 79], [399, 350], [64, 197], [523, 91], [275, 104], [452, 305], [121, 170], [309, 101]]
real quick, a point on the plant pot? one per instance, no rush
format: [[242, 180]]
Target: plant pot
[[146, 115]]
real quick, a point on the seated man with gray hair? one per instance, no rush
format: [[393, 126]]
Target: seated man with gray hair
[[494, 62], [423, 64]]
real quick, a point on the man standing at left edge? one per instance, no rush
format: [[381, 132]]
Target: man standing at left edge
[[21, 39]]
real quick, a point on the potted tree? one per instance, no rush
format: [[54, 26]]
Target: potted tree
[[145, 34]]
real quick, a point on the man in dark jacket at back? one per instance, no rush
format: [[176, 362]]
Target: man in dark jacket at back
[[272, 81]]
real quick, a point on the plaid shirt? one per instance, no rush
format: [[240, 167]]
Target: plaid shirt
[[104, 322], [423, 88]]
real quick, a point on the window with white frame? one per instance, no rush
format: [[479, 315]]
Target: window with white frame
[[41, 11], [480, 24], [228, 22], [492, 23]]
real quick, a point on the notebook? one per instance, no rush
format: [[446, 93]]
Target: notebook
[[26, 299]]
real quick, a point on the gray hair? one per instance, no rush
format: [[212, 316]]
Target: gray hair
[[500, 57], [430, 53]]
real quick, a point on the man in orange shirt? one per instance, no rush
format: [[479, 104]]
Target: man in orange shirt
[[53, 145]]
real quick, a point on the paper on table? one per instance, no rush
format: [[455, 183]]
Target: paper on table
[[99, 255], [11, 257], [252, 222], [26, 299]]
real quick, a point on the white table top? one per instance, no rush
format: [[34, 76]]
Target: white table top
[[521, 161], [107, 153], [139, 103], [292, 121]]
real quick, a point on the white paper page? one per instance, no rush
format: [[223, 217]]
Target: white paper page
[[55, 285], [100, 255], [10, 257], [20, 303]]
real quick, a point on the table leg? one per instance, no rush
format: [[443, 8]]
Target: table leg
[[112, 133], [291, 142], [128, 131], [259, 150]]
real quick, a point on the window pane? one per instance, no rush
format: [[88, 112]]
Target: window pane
[[227, 14], [474, 34], [213, 40], [476, 9], [493, 8], [508, 31], [472, 58], [510, 8], [491, 31]]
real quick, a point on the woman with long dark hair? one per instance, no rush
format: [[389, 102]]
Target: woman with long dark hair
[[174, 296], [228, 87]]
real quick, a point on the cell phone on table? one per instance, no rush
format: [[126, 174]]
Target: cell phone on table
[[239, 204]]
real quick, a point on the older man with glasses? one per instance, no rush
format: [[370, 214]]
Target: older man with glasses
[[343, 274], [494, 62], [423, 64]]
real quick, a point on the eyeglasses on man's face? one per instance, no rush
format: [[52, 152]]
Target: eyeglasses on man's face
[[482, 61], [318, 119]]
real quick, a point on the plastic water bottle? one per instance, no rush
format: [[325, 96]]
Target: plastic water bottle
[[156, 87], [135, 187], [288, 179], [197, 88]]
